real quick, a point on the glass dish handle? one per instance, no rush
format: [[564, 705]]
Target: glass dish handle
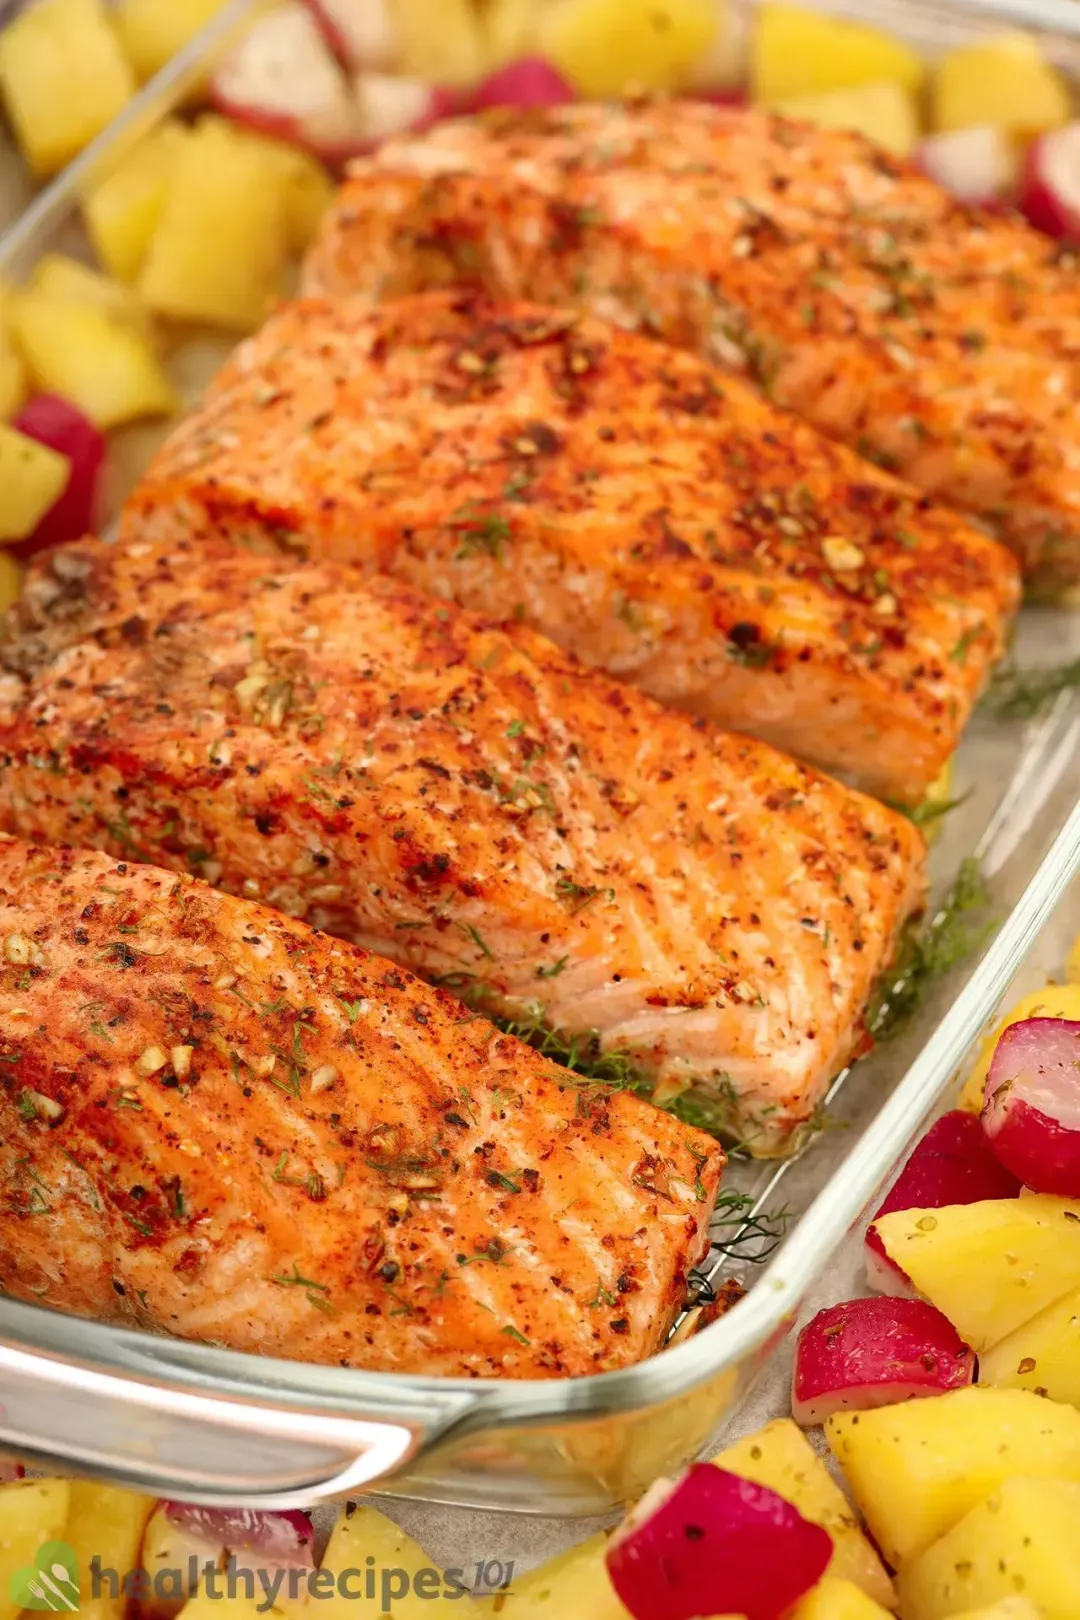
[[151, 1428]]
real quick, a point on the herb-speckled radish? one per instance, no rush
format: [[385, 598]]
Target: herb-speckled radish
[[1032, 1113], [873, 1352]]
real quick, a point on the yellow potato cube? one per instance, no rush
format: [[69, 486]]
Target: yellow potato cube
[[916, 1468], [439, 41], [885, 112], [101, 363], [604, 46], [1072, 966], [575, 1582], [305, 185], [838, 1600], [508, 31], [32, 477], [367, 1533], [12, 379], [1043, 1355], [32, 1511], [63, 78], [1022, 1540], [1010, 1608], [204, 1607], [1005, 81], [1051, 1001], [990, 1266], [218, 251], [57, 276], [801, 52], [781, 1457], [106, 1523], [152, 31], [123, 208]]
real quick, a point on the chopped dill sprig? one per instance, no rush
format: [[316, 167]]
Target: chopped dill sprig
[[933, 809], [930, 951], [581, 1054], [703, 1112], [754, 1235], [1020, 694]]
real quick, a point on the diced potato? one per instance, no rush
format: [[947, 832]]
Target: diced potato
[[123, 209], [802, 52], [107, 1523], [367, 1533], [57, 276], [509, 31], [204, 1607], [781, 1457], [33, 1511], [1052, 1001], [152, 31], [31, 478], [575, 1582], [1005, 81], [63, 77], [838, 1600], [604, 46], [101, 364], [1043, 1355], [989, 1266], [916, 1468], [1072, 966], [440, 41], [1022, 1540], [219, 249], [885, 112], [12, 378], [306, 188], [1010, 1608]]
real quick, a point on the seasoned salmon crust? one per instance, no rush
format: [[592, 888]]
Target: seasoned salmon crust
[[467, 800]]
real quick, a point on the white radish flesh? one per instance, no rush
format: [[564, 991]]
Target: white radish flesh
[[978, 165]]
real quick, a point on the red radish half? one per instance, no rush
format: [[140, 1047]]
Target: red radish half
[[531, 81], [10, 1471], [1050, 188], [283, 78], [1032, 1111], [361, 33], [874, 1352], [978, 165], [389, 105], [63, 427], [254, 1540], [715, 1544], [952, 1164]]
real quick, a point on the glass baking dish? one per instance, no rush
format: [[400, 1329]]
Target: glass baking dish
[[182, 1420]]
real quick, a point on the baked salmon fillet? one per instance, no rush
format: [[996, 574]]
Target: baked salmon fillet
[[939, 340], [218, 1123], [657, 520], [465, 799]]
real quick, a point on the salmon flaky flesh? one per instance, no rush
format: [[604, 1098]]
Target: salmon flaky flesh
[[656, 519], [219, 1124], [466, 799], [938, 339]]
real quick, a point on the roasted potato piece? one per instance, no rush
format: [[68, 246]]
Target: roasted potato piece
[[63, 77]]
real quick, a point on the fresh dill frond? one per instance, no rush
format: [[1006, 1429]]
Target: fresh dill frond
[[1021, 694], [582, 1054], [703, 1112], [933, 809], [754, 1236], [929, 952]]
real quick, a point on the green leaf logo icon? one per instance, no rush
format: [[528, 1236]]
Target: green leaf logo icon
[[50, 1582]]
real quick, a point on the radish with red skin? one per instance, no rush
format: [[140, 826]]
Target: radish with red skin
[[875, 1352], [1050, 186], [952, 1164], [63, 427], [531, 81], [977, 165], [1031, 1116], [284, 80], [715, 1544], [361, 33], [255, 1540]]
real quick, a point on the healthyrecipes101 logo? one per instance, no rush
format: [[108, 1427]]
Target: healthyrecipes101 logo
[[52, 1582]]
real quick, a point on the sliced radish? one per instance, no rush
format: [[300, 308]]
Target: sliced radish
[[1032, 1112], [978, 165], [952, 1164], [715, 1544], [388, 105], [193, 1539], [283, 78], [10, 1471], [1050, 188], [63, 427], [531, 81], [874, 1352], [361, 33]]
